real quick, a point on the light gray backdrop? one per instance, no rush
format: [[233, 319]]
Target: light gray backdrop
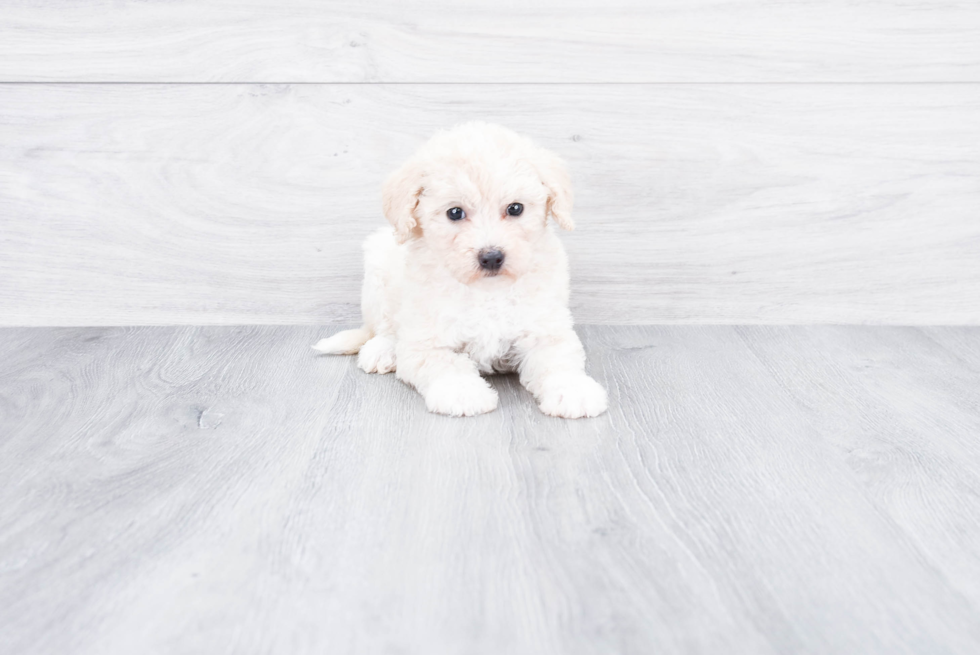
[[734, 160]]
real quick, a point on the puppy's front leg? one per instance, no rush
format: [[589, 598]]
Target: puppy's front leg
[[449, 381], [553, 370]]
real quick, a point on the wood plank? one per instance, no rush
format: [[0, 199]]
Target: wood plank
[[906, 419], [695, 204], [393, 41], [222, 489]]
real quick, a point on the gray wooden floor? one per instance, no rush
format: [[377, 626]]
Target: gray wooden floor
[[752, 490]]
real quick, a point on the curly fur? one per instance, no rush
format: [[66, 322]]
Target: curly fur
[[435, 317]]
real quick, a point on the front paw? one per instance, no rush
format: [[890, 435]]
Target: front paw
[[576, 396], [460, 396]]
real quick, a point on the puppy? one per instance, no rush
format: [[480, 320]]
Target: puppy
[[473, 279]]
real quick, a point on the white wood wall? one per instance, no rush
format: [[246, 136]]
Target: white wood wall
[[734, 161]]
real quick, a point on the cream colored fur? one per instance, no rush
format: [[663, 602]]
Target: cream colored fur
[[438, 320]]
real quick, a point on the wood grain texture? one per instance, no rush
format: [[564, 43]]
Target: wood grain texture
[[225, 204], [501, 42], [752, 490], [893, 390]]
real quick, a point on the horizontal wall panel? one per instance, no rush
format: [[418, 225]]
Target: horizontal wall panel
[[505, 42], [212, 204]]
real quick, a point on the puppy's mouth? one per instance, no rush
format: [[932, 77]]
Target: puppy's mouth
[[477, 274], [503, 273]]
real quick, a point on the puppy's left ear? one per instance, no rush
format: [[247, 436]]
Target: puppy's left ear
[[554, 176]]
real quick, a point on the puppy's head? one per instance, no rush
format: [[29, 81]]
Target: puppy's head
[[479, 196]]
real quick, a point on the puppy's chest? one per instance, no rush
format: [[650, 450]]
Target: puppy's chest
[[487, 334], [491, 353]]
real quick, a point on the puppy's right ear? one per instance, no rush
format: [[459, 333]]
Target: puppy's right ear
[[400, 197]]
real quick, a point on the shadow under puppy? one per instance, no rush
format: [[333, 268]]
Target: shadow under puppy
[[473, 279]]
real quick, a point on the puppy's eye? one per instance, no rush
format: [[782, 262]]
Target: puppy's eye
[[456, 214], [515, 209]]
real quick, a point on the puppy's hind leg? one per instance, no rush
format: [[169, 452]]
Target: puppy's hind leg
[[381, 254], [377, 355], [379, 296]]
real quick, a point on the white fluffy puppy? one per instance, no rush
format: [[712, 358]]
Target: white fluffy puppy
[[473, 279]]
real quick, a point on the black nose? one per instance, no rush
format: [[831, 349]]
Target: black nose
[[491, 259]]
